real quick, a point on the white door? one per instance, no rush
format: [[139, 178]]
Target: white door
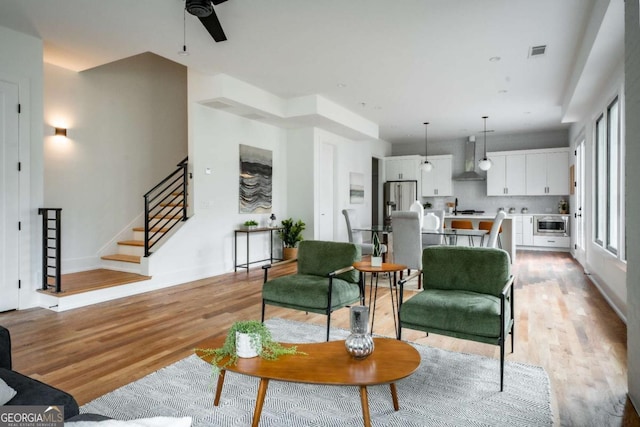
[[578, 217], [9, 207], [325, 192]]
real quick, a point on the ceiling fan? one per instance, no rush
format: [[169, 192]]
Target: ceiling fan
[[203, 9]]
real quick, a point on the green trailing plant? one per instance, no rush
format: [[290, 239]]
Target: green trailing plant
[[291, 232], [270, 349], [250, 223]]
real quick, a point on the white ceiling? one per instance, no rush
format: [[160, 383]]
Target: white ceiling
[[397, 63]]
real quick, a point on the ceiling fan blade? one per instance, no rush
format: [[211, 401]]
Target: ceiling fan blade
[[212, 24], [217, 2]]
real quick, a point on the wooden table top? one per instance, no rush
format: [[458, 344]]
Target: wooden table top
[[329, 363], [386, 267]]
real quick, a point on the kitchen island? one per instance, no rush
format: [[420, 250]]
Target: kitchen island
[[508, 236]]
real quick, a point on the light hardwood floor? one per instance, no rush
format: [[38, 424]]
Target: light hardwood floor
[[562, 324]]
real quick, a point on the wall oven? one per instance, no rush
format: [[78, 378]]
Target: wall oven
[[551, 225]]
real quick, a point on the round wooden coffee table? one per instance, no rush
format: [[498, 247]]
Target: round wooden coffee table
[[327, 363]]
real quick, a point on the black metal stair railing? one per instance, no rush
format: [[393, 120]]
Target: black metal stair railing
[[165, 205], [51, 248]]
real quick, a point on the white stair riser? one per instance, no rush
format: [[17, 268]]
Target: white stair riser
[[139, 235], [131, 250]]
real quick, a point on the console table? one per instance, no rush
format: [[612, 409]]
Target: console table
[[248, 233]]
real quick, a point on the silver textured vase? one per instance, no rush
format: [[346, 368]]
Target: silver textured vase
[[360, 343]]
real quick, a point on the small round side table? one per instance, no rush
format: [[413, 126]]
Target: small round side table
[[365, 267]]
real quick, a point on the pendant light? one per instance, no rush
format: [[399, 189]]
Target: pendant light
[[426, 166], [485, 163], [184, 51]]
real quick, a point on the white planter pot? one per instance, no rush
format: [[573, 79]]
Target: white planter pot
[[244, 347], [376, 261]]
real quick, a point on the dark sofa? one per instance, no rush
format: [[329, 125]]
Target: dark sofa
[[31, 391]]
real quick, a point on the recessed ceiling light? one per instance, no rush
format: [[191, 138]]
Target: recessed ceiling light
[[494, 59]]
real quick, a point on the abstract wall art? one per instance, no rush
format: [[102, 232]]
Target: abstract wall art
[[356, 188], [256, 175]]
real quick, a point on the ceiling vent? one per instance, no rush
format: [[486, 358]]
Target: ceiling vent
[[537, 50]]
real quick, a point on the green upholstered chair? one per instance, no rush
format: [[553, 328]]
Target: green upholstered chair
[[325, 281], [468, 294]]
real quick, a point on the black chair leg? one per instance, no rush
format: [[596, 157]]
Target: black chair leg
[[328, 325], [501, 365], [262, 312]]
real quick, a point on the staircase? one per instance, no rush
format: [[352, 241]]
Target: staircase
[[165, 207]]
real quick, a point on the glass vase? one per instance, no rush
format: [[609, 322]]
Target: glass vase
[[360, 343]]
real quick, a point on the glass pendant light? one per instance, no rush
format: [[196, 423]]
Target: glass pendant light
[[426, 166], [485, 163]]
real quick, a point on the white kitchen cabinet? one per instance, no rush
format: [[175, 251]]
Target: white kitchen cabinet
[[507, 174], [437, 182], [552, 241], [527, 230], [524, 230], [402, 168], [548, 173]]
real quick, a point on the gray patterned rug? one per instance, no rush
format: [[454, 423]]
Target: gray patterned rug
[[449, 389]]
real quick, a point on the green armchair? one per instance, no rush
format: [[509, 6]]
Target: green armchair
[[468, 294], [325, 281]]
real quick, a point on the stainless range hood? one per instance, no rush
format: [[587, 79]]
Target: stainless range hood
[[470, 173]]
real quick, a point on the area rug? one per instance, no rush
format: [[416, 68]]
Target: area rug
[[448, 389]]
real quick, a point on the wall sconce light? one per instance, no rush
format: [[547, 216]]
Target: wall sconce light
[[60, 132]]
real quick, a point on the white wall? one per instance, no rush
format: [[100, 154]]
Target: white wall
[[204, 245], [22, 64], [607, 272], [127, 126], [632, 94]]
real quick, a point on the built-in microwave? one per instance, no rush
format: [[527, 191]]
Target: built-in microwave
[[551, 225]]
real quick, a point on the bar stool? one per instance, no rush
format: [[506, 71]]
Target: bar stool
[[465, 225], [486, 225]]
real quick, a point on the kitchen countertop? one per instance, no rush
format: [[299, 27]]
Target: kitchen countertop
[[492, 216]]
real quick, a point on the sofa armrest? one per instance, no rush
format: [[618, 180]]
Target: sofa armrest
[[5, 348]]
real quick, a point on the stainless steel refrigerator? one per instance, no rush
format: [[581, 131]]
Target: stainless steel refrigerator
[[398, 196]]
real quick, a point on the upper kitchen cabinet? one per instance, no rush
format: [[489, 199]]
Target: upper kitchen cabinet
[[402, 168], [437, 182], [507, 174], [548, 172]]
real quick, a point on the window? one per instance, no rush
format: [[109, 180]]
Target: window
[[608, 211], [601, 183], [613, 177]]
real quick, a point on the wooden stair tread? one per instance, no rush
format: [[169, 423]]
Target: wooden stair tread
[[91, 280], [131, 242], [154, 229], [124, 258]]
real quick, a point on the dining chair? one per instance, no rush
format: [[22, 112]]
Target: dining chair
[[355, 236], [495, 229], [407, 241], [434, 239], [486, 225], [463, 224]]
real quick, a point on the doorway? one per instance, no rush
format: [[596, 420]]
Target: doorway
[[375, 191], [578, 217], [326, 192], [9, 200]]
